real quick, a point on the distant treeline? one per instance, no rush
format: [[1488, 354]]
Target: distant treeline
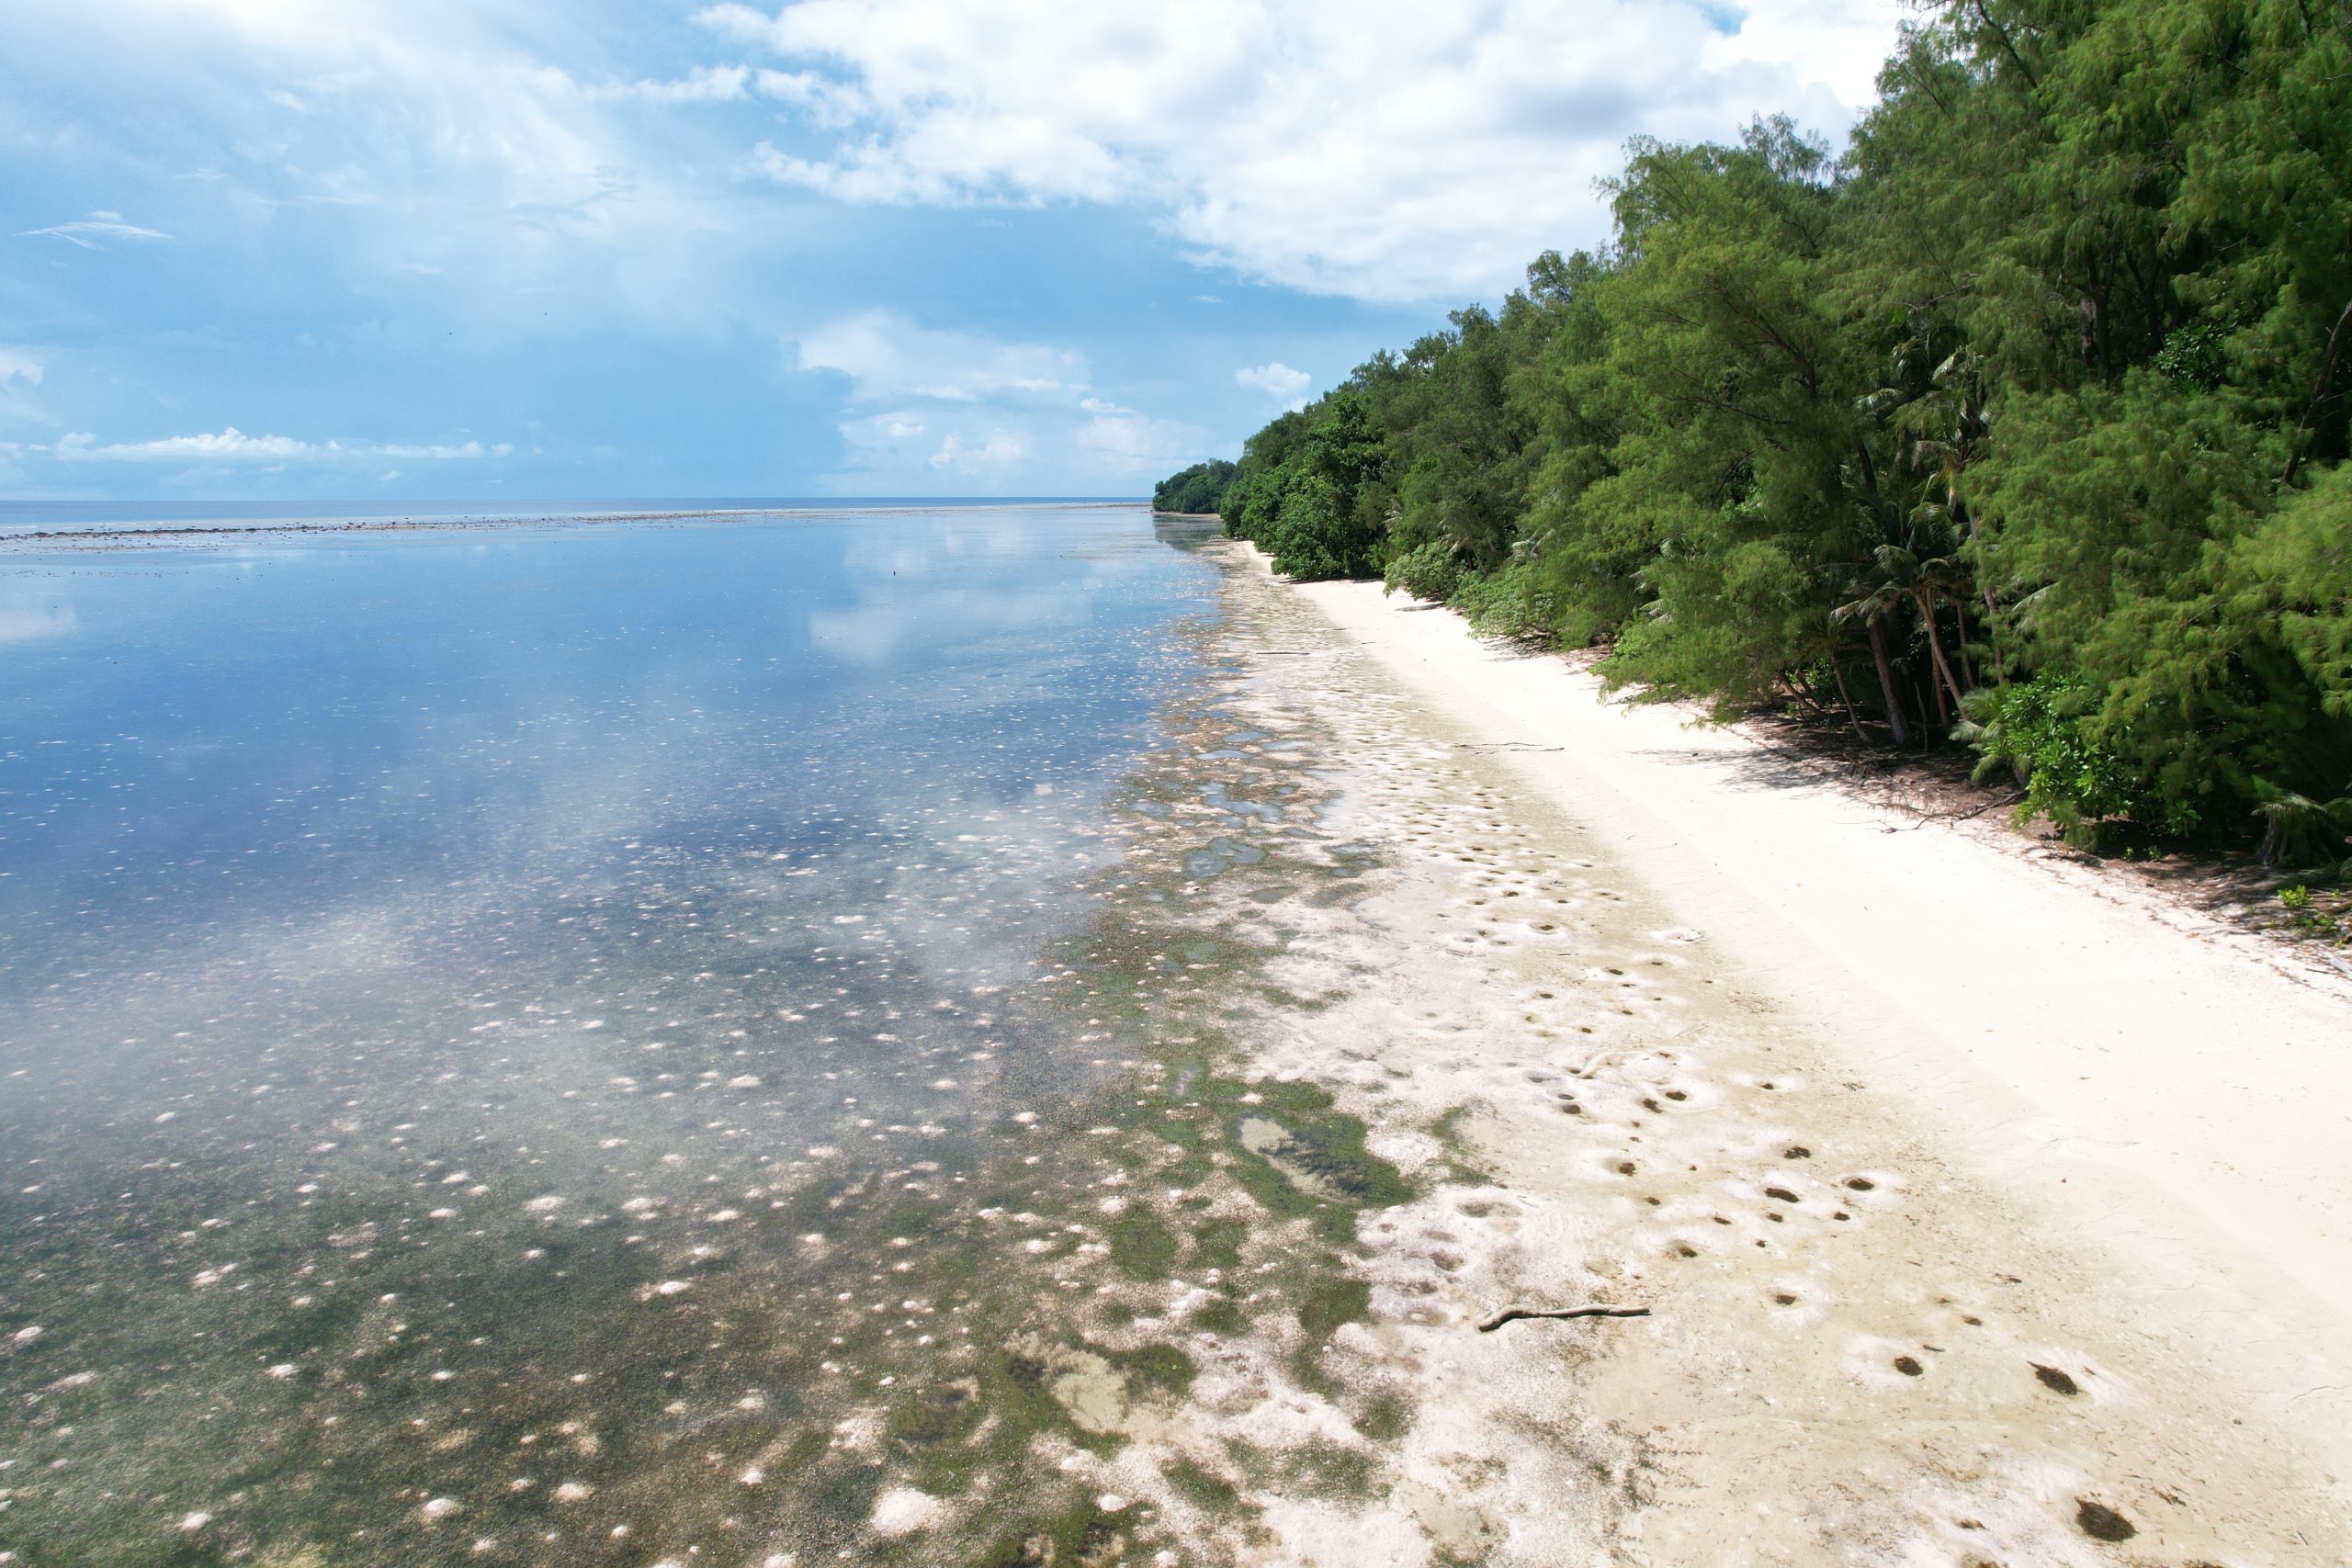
[[1200, 488], [2021, 422]]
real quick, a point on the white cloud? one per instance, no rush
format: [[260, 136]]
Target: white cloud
[[999, 452], [1027, 449], [423, 134], [887, 356], [15, 365], [1128, 444], [703, 84], [1278, 379], [824, 103], [87, 231], [976, 413], [1386, 149], [233, 445]]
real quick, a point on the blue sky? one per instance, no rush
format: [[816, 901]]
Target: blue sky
[[517, 248]]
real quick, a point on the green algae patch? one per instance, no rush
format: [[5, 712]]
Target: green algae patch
[[1216, 1243], [1222, 1317], [1076, 1391], [1332, 1304], [1462, 1165], [1081, 1534], [1329, 1302], [1385, 1418], [1307, 1160], [1141, 1247], [1324, 1469], [933, 1430], [1161, 1367], [1204, 1489]]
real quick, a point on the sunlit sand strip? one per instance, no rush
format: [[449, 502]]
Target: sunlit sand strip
[[2164, 1100]]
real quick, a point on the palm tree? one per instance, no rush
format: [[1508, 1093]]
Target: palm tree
[[1947, 425], [1920, 568], [1876, 603]]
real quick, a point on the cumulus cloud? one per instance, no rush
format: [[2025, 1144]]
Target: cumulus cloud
[[88, 232], [974, 412], [419, 134], [998, 453], [1026, 450], [703, 84], [233, 445], [1278, 379], [1127, 443], [1387, 149], [884, 355]]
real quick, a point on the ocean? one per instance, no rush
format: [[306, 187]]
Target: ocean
[[440, 966]]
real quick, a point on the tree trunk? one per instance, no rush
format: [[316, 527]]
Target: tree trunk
[[1935, 650], [1895, 721], [1960, 617], [2319, 396], [1848, 698]]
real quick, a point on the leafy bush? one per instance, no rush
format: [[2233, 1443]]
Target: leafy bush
[[2049, 726], [1426, 572], [1510, 604]]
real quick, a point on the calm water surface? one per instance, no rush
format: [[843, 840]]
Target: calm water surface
[[421, 952]]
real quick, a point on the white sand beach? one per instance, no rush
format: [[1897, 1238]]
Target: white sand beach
[[2188, 1071], [1985, 1216]]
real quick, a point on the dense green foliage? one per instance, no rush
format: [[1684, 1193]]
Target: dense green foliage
[[1199, 489], [2022, 421]]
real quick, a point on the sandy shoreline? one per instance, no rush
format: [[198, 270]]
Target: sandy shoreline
[[2189, 1066], [1977, 1212]]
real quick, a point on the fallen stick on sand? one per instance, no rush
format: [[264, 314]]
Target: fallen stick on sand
[[1517, 1313]]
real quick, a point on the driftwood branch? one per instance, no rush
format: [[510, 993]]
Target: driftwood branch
[[1515, 1313]]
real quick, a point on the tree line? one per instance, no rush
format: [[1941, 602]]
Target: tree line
[[1199, 489], [2019, 423]]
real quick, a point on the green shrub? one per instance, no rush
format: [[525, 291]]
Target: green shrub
[[1428, 571], [2049, 725], [1510, 604]]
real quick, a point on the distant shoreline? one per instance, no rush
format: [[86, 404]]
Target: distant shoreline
[[241, 528]]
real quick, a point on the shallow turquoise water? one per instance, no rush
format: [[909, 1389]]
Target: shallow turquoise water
[[417, 949]]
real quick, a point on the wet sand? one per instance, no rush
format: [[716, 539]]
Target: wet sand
[[1981, 1219]]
